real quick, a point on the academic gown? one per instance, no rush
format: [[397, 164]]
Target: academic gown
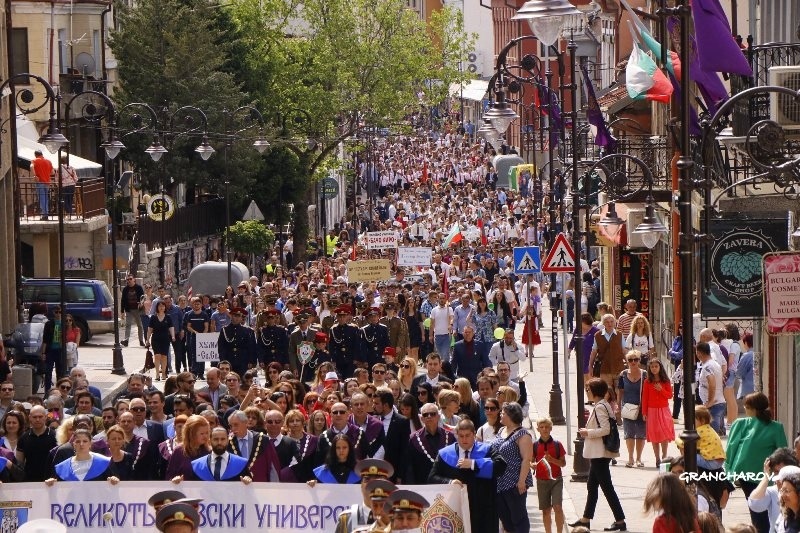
[[303, 470], [236, 467], [480, 482], [357, 440], [422, 452], [324, 475], [262, 458], [99, 471]]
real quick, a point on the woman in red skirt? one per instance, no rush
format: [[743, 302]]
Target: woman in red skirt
[[660, 429], [531, 310]]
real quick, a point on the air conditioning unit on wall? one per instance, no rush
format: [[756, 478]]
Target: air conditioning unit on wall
[[784, 109]]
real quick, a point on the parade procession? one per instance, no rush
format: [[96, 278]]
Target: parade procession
[[407, 266]]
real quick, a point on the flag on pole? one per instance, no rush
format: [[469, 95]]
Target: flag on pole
[[603, 136], [354, 251], [445, 285], [189, 293], [644, 80], [454, 236], [484, 240], [717, 50]]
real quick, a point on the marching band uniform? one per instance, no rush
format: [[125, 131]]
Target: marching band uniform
[[98, 469], [321, 355], [344, 344], [272, 343], [374, 340], [398, 331], [359, 514], [302, 338], [236, 344]]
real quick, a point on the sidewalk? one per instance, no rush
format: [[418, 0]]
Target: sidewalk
[[630, 483]]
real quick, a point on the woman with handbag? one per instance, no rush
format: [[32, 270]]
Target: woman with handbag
[[655, 409], [600, 446], [630, 383]]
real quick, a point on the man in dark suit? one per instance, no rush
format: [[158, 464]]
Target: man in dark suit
[[214, 388], [220, 464], [146, 429], [285, 447], [398, 431], [147, 465], [263, 461], [467, 362], [424, 445], [374, 432], [434, 376], [470, 463], [185, 382], [301, 339], [340, 424]]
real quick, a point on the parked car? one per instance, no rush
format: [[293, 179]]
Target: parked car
[[89, 301]]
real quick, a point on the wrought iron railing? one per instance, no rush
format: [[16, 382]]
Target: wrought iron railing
[[86, 200], [189, 222], [761, 58]]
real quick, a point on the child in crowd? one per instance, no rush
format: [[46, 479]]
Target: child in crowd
[[710, 452], [549, 457]]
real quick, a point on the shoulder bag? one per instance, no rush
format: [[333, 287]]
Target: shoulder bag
[[610, 441], [631, 411]]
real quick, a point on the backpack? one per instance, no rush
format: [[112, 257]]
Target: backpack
[[555, 442]]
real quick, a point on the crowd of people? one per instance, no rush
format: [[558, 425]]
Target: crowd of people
[[415, 379]]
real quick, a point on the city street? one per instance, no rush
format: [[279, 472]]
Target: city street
[[629, 482]]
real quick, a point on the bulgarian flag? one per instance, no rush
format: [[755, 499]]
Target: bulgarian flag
[[454, 236], [644, 79]]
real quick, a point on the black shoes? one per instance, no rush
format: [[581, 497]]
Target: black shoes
[[578, 523], [124, 343], [617, 526]]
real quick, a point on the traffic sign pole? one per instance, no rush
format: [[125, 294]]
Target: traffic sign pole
[[530, 329]]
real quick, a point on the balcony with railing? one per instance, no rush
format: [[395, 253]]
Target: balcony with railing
[[84, 201], [187, 223]]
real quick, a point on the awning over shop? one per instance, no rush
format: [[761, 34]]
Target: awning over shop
[[27, 144], [472, 90]]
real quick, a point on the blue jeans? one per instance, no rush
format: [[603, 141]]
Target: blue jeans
[[442, 344], [718, 417], [43, 191]]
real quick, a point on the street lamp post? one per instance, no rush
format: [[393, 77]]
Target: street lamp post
[[112, 148], [26, 101], [252, 117]]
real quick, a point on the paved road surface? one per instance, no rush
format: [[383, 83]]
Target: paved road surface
[[630, 483]]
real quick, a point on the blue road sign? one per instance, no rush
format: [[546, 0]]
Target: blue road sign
[[527, 260]]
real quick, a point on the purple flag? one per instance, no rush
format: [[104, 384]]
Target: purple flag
[[694, 123], [595, 116], [548, 105], [708, 83], [716, 47]]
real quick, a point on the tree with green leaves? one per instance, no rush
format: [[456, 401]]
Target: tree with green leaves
[[172, 54], [327, 68]]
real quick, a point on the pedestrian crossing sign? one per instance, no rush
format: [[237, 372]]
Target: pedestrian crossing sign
[[561, 257], [527, 260]]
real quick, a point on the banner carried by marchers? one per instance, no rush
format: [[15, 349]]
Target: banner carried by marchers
[[368, 270], [226, 507], [411, 256], [381, 240], [205, 345]]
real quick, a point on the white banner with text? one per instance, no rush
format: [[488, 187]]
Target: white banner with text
[[412, 256], [206, 346], [226, 506]]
